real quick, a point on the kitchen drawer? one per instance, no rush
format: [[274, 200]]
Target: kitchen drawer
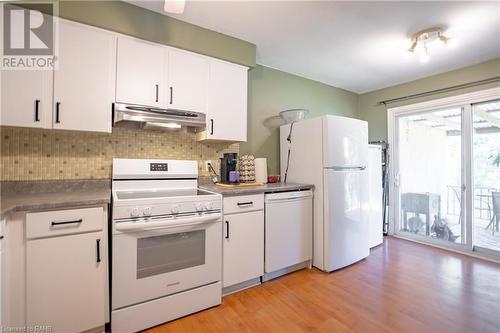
[[64, 222], [243, 203]]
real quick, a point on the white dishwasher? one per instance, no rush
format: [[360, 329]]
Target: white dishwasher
[[288, 232]]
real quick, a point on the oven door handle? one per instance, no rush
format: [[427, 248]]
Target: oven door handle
[[171, 223]]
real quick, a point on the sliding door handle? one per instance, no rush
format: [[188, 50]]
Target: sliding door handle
[[211, 127], [227, 230], [156, 92], [171, 95], [37, 106], [58, 105]]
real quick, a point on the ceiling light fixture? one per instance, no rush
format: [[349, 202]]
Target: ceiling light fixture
[[174, 6], [420, 41]]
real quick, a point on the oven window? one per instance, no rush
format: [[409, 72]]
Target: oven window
[[168, 253]]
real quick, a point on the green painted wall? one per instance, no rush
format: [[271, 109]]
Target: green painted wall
[[271, 91], [376, 114], [138, 22]]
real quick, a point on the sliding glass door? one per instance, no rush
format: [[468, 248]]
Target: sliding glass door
[[446, 176], [430, 177], [486, 176]]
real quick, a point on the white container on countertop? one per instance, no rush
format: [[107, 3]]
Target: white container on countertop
[[261, 170]]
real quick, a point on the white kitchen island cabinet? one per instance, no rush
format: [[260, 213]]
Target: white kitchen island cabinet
[[243, 242]]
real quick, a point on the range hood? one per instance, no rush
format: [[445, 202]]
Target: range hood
[[137, 116]]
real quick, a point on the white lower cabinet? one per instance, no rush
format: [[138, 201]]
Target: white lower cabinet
[[66, 272], [243, 249]]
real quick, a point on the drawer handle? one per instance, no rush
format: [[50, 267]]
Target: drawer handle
[[98, 245], [67, 222], [248, 203], [227, 229]]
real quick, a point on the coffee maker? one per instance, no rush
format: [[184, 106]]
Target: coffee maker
[[227, 164]]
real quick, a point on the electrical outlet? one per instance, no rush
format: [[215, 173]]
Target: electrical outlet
[[206, 165]]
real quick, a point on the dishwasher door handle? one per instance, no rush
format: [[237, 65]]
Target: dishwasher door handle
[[288, 199]]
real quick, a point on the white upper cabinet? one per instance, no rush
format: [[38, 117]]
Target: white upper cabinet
[[227, 103], [188, 75], [84, 79], [26, 98], [96, 68], [140, 76]]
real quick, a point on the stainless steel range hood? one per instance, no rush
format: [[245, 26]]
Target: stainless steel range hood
[[137, 116]]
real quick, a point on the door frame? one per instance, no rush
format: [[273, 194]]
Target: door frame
[[464, 101]]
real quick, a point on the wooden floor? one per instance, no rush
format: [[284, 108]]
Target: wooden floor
[[401, 287]]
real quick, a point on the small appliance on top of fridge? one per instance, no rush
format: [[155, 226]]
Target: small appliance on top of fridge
[[331, 152]]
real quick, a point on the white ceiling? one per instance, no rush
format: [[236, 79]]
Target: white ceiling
[[357, 46]]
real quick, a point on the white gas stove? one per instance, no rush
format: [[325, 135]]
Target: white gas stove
[[166, 245]]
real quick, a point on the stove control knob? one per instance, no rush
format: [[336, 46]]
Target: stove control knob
[[134, 212], [174, 209], [146, 211], [199, 206], [209, 206]]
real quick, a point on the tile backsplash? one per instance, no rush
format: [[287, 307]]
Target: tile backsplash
[[37, 154]]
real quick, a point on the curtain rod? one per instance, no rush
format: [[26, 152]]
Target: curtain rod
[[442, 90]]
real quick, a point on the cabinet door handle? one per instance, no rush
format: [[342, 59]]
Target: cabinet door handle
[[66, 222], [58, 104], [248, 203], [227, 230], [156, 89], [171, 95], [211, 126], [98, 245], [37, 105]]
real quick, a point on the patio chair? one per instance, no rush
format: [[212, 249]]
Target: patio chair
[[495, 218]]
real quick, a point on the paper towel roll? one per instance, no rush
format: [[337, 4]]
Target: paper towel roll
[[261, 170]]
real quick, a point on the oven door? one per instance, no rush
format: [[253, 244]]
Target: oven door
[[164, 256]]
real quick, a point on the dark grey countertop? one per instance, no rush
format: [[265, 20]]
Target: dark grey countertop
[[52, 194], [266, 188], [39, 195]]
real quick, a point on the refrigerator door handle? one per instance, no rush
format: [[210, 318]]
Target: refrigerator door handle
[[345, 168]]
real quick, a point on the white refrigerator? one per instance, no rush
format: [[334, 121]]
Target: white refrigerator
[[331, 152]]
